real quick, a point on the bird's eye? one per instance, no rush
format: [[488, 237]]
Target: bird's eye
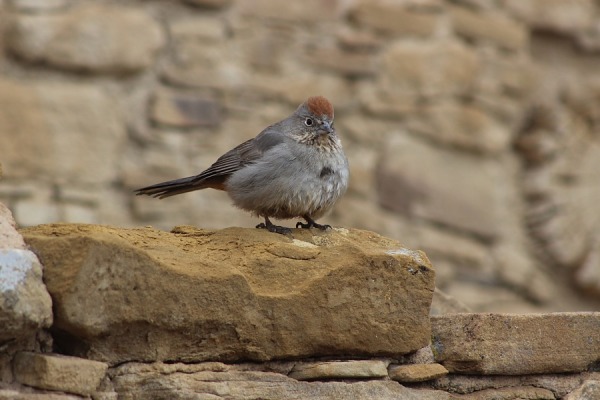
[[308, 122]]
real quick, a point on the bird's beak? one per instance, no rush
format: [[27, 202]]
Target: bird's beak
[[326, 127]]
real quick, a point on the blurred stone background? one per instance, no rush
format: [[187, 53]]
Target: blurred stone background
[[472, 127]]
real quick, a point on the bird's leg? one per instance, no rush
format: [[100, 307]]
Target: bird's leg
[[310, 223], [268, 225]]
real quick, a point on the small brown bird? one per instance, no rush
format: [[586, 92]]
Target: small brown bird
[[293, 168]]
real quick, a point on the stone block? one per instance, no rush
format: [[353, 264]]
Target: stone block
[[349, 64], [198, 64], [511, 393], [462, 126], [10, 394], [212, 4], [159, 381], [36, 6], [233, 294], [92, 37], [492, 27], [555, 16], [428, 68], [184, 110], [395, 18], [25, 305], [416, 372], [70, 132], [462, 191], [58, 372], [512, 344], [559, 384], [363, 369], [196, 27], [359, 41], [324, 11]]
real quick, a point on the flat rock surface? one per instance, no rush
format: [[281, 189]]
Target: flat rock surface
[[9, 394], [513, 344], [559, 384], [177, 381], [417, 372], [58, 372], [124, 39], [233, 294], [339, 370]]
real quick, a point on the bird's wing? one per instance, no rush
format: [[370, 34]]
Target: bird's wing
[[241, 155], [216, 175]]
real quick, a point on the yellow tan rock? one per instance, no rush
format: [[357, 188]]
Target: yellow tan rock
[[232, 294]]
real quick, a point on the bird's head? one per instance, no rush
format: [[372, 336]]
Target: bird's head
[[315, 119]]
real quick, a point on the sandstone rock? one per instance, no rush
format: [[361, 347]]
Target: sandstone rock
[[349, 64], [154, 383], [339, 370], [70, 132], [588, 391], [462, 126], [209, 3], [508, 344], [562, 167], [291, 11], [416, 372], [554, 15], [428, 68], [185, 110], [395, 18], [461, 191], [57, 372], [9, 394], [197, 64], [489, 27], [123, 39], [359, 41], [144, 294], [25, 304], [558, 384], [512, 393], [198, 28], [34, 6], [9, 237], [509, 79]]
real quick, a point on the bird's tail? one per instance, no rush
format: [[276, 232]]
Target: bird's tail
[[171, 188]]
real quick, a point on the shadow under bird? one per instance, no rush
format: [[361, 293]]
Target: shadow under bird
[[294, 168]]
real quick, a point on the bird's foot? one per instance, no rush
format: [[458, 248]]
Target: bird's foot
[[311, 223], [268, 225]]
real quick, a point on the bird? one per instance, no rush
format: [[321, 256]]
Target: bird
[[295, 168]]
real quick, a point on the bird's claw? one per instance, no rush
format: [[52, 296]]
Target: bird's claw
[[282, 230], [312, 224]]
